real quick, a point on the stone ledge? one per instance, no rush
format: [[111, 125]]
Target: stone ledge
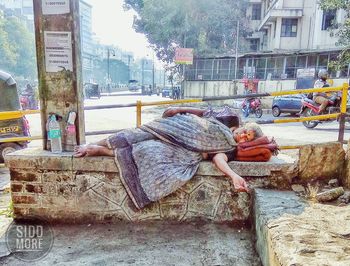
[[289, 231], [66, 189], [44, 160]]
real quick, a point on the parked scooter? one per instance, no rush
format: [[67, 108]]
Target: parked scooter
[[252, 106], [311, 108], [27, 99]]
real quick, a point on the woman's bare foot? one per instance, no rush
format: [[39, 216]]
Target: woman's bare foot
[[92, 150]]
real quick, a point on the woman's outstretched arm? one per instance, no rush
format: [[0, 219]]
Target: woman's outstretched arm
[[182, 110], [220, 160]]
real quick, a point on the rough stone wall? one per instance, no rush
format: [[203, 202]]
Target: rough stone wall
[[66, 189], [321, 161]]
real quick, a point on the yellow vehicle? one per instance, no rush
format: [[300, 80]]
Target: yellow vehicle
[[14, 127]]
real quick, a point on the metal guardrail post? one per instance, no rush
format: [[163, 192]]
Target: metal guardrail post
[[342, 116], [138, 113]]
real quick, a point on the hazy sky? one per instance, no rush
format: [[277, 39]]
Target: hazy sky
[[114, 26]]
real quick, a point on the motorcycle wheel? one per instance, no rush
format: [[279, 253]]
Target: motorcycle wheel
[[245, 112], [258, 113], [309, 124]]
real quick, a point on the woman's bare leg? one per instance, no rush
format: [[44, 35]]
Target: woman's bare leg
[[92, 150]]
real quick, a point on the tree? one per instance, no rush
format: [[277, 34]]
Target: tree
[[207, 26], [17, 48], [341, 30], [7, 55]]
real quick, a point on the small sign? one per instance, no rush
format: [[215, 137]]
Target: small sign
[[184, 56], [58, 51], [55, 7]]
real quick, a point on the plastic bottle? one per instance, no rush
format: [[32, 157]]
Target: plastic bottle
[[54, 131], [70, 132]]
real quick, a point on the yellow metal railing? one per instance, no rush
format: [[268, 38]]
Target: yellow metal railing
[[140, 104]]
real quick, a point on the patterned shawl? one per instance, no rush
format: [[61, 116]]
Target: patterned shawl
[[161, 156]]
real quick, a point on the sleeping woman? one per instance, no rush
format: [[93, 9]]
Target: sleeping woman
[[161, 156]]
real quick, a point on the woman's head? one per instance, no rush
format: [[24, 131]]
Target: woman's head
[[248, 132], [231, 121]]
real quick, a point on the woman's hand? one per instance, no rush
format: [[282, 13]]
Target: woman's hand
[[220, 160], [169, 112], [240, 184]]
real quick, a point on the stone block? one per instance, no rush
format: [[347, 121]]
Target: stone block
[[321, 161], [58, 202], [345, 177], [34, 188], [24, 199], [290, 231], [149, 213], [62, 176], [25, 175], [203, 200], [16, 187], [233, 207], [35, 158], [90, 201], [95, 164]]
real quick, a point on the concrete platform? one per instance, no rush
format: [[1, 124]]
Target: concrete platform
[[290, 231], [67, 189], [148, 244]]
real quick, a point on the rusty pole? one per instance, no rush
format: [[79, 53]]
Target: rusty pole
[[57, 35], [343, 112]]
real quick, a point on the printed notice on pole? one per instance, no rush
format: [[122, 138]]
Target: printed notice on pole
[[55, 7], [58, 51]]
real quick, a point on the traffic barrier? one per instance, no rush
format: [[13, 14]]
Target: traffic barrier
[[139, 104]]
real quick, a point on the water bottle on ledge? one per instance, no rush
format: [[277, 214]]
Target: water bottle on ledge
[[54, 132]]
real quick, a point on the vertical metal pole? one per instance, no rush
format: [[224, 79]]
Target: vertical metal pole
[[344, 101], [138, 113], [153, 71], [142, 74], [237, 37], [265, 74]]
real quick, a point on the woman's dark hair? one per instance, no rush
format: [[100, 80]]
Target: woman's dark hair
[[229, 121]]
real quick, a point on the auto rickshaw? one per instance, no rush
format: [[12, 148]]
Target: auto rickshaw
[[10, 126], [92, 90]]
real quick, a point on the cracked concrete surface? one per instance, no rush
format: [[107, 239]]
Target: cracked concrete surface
[[148, 244]]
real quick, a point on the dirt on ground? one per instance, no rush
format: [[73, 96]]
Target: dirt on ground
[[320, 235]]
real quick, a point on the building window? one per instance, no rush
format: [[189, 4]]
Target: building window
[[329, 17], [254, 45], [256, 12], [289, 27]]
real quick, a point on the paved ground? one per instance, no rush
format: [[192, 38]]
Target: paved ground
[[152, 244]]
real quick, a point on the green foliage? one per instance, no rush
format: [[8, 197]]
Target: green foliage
[[342, 31], [207, 26], [119, 71], [17, 49]]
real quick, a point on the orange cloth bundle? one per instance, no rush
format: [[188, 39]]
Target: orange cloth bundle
[[254, 155], [258, 150]]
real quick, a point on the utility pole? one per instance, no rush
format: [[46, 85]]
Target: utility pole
[[129, 57], [153, 71], [237, 39], [108, 67], [142, 72]]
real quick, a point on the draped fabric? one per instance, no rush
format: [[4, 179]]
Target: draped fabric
[[161, 156]]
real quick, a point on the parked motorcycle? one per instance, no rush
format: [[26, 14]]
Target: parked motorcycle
[[28, 102], [311, 108], [252, 106]]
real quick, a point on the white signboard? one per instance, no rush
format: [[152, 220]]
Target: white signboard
[[58, 51], [55, 7]]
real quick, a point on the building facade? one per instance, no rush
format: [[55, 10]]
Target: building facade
[[287, 35], [292, 25], [87, 49]]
